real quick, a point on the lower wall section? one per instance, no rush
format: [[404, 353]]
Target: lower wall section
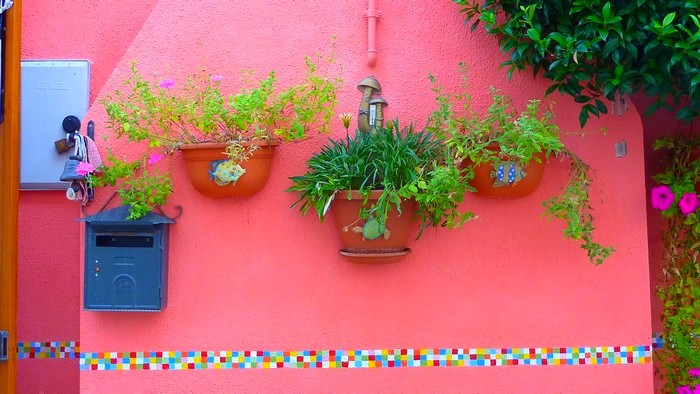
[[369, 358], [382, 358], [619, 379], [585, 365]]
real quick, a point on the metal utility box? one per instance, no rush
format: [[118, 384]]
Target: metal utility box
[[50, 91], [126, 261]]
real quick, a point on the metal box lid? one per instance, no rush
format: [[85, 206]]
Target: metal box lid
[[117, 216]]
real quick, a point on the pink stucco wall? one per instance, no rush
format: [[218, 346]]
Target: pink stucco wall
[[48, 298], [49, 247], [251, 274]]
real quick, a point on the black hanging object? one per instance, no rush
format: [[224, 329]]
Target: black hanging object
[[71, 123]]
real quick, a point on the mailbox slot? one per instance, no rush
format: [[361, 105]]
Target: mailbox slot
[[124, 241]]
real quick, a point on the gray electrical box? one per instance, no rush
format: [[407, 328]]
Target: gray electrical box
[[126, 261], [50, 91]]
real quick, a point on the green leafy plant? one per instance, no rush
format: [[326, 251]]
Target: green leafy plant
[[677, 198], [162, 114], [502, 135], [517, 136], [573, 206], [403, 163], [595, 50]]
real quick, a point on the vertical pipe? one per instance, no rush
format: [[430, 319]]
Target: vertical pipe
[[9, 194], [372, 16]]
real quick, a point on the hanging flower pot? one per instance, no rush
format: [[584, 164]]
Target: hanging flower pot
[[391, 166], [509, 178], [366, 241], [214, 175]]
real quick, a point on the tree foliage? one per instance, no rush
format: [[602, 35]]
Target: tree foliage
[[595, 50]]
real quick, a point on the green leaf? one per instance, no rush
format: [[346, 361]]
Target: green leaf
[[533, 34], [606, 12], [583, 118], [668, 19], [601, 106]]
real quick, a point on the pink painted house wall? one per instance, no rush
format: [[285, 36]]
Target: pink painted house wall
[[49, 248], [252, 274]]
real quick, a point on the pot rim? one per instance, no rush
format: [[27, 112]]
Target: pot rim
[[205, 145]]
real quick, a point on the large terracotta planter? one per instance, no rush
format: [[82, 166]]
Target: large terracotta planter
[[492, 181], [389, 247], [203, 161]]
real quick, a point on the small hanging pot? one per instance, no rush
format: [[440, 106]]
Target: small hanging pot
[[507, 179]]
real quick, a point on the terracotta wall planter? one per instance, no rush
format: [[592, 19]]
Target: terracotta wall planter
[[486, 178], [203, 161], [388, 247]]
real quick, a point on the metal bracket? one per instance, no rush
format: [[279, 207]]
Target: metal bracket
[[375, 14], [621, 149], [621, 104], [4, 344]]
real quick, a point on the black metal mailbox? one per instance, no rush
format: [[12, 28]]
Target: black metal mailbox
[[126, 262]]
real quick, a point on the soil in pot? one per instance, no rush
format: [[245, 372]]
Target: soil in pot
[[213, 175], [361, 237]]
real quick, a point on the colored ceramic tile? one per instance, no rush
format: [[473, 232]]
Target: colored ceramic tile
[[48, 350], [381, 358]]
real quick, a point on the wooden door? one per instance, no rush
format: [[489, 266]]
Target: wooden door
[[9, 192]]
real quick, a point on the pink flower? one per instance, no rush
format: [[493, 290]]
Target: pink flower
[[694, 372], [684, 390], [689, 203], [167, 83], [154, 158], [662, 197], [84, 168], [216, 78]]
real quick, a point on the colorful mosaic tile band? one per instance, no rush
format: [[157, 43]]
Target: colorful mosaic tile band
[[48, 350], [383, 358]]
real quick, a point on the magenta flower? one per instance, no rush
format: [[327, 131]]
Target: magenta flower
[[694, 372], [689, 203], [683, 390], [662, 197], [154, 158], [216, 78], [167, 83], [84, 168]]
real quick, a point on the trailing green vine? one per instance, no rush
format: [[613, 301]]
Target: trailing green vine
[[679, 291], [573, 206]]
